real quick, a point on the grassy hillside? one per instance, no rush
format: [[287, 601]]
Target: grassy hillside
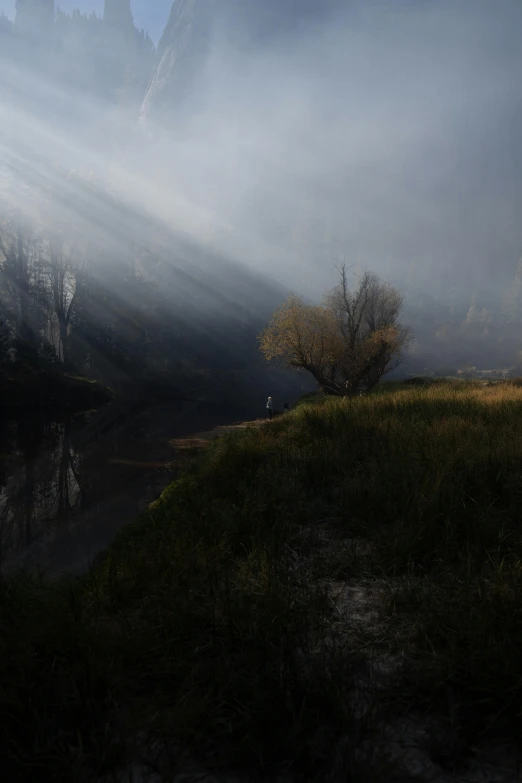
[[210, 619]]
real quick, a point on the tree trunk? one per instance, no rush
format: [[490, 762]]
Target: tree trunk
[[64, 339], [23, 327]]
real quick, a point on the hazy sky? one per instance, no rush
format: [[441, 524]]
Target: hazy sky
[[388, 134], [392, 124], [149, 15]]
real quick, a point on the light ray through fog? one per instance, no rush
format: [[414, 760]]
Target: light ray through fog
[[385, 135]]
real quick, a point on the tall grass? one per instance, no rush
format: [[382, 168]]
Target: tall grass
[[432, 477], [204, 622], [198, 625]]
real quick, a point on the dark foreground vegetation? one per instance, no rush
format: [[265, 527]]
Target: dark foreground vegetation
[[29, 389], [207, 622], [30, 380]]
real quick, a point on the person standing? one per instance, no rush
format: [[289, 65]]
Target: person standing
[[269, 408]]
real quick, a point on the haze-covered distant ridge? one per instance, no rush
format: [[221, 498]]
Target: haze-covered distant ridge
[[107, 57]]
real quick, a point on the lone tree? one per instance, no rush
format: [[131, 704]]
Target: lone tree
[[349, 341]]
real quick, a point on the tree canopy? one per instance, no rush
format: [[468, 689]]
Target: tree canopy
[[351, 340]]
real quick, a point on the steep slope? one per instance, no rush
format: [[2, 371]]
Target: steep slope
[[183, 48], [195, 26]]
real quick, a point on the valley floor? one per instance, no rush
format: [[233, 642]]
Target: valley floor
[[331, 596]]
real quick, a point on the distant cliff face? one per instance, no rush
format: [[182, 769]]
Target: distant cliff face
[[127, 55], [195, 26], [6, 26], [182, 51], [6, 41], [106, 57], [117, 14]]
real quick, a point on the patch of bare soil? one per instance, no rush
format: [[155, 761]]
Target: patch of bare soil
[[413, 745]]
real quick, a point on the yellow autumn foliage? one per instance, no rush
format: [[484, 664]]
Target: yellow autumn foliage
[[352, 339]]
